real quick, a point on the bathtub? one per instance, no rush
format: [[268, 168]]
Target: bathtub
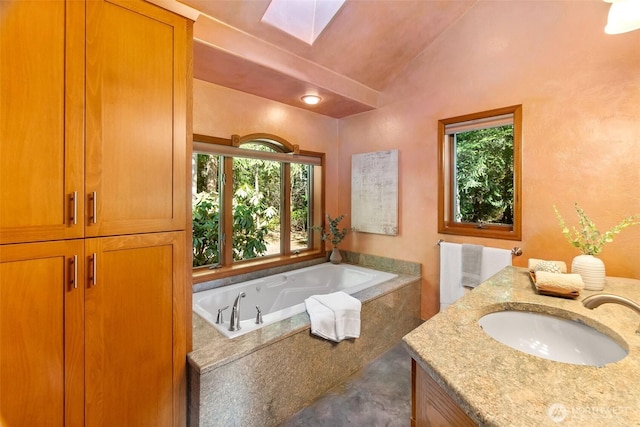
[[281, 296]]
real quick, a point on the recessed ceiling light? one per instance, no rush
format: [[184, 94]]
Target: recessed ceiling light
[[311, 99]]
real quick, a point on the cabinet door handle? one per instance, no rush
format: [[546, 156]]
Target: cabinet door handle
[[74, 278], [94, 262], [74, 209], [94, 203]]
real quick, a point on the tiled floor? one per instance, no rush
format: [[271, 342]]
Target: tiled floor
[[377, 395]]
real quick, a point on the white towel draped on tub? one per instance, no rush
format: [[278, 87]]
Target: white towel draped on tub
[[334, 316], [451, 287]]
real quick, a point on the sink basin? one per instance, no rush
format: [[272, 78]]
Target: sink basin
[[552, 337]]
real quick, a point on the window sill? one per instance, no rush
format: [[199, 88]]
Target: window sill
[[489, 231], [204, 274]]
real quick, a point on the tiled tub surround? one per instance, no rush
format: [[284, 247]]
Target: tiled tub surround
[[265, 376], [499, 386]]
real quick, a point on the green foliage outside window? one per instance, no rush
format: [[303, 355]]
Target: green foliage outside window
[[300, 197], [252, 220], [256, 206], [484, 175], [250, 227], [206, 220]]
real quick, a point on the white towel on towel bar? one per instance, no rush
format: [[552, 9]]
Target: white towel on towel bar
[[334, 316], [471, 265], [493, 260], [450, 273]]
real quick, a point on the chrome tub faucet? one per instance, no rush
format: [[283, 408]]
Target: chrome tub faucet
[[234, 323]]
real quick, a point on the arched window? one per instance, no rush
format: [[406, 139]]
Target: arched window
[[255, 200]]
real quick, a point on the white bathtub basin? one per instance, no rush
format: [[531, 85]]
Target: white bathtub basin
[[552, 338]]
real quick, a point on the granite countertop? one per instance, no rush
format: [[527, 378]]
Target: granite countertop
[[499, 386]]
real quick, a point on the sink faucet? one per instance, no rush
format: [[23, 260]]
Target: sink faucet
[[597, 300], [234, 323]]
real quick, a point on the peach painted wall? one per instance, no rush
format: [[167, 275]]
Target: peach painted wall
[[580, 91], [222, 112]]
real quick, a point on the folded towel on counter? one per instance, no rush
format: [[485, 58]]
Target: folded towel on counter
[[471, 265], [558, 284], [334, 316], [537, 264]]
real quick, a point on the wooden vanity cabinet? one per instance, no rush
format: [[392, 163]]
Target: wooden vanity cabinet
[[431, 406], [94, 272]]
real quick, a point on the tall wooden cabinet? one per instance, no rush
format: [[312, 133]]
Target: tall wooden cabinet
[[136, 119], [41, 120], [94, 271]]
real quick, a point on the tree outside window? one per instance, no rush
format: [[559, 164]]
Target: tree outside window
[[484, 175], [479, 191]]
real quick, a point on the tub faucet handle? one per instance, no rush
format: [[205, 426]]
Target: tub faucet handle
[[219, 319], [258, 315]]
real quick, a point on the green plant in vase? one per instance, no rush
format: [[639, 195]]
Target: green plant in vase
[[335, 235], [590, 241]]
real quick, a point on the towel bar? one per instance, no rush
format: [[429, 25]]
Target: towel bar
[[516, 251]]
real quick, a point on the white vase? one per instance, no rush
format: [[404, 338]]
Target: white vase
[[335, 257], [592, 271]]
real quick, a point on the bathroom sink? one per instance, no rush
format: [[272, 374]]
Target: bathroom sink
[[552, 337]]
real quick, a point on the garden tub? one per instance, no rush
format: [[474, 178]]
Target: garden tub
[[281, 296]]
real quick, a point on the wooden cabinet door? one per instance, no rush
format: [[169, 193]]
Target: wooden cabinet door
[[41, 334], [136, 118], [432, 406], [41, 120], [135, 299]]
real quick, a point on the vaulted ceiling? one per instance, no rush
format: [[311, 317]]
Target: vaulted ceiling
[[364, 48]]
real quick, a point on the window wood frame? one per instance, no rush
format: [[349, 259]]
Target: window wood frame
[[446, 198], [229, 267]]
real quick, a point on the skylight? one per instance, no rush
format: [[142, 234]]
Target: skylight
[[303, 19]]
